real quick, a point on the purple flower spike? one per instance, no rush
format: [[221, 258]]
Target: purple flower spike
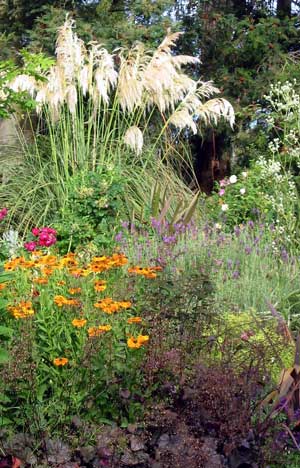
[[169, 239], [235, 274], [118, 237], [284, 256], [237, 231], [125, 224]]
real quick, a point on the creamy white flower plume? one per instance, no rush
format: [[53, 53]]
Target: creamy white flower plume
[[23, 83], [134, 139], [181, 119]]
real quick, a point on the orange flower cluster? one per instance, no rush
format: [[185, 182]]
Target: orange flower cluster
[[22, 310], [136, 343], [2, 286], [147, 272], [62, 301], [48, 263], [134, 320], [77, 272], [99, 264], [96, 331], [100, 285], [109, 306], [69, 260], [60, 361], [18, 262], [79, 323]]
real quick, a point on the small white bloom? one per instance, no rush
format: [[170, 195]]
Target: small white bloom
[[233, 179], [218, 226], [224, 207], [244, 174], [242, 191]]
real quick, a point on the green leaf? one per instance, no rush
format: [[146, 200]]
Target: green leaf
[[4, 398], [4, 356], [5, 277], [5, 331], [4, 421]]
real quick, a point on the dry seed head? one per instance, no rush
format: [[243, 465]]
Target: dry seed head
[[214, 109], [41, 98], [134, 139], [206, 89], [23, 83], [179, 60], [55, 91], [144, 80], [105, 76], [182, 119], [192, 102], [168, 42], [64, 49], [83, 79], [130, 83], [71, 95]]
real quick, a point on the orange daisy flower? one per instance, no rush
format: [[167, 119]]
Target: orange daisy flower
[[79, 323], [60, 361], [136, 343]]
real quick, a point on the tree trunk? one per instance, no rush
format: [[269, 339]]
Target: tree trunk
[[284, 8]]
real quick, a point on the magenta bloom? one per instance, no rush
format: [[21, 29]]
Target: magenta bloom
[[48, 230], [30, 246], [46, 237], [46, 240], [43, 236], [222, 192], [3, 213]]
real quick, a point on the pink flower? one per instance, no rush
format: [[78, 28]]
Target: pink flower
[[49, 230], [3, 213], [46, 240], [43, 236], [30, 246], [223, 183], [46, 236], [222, 192], [244, 336]]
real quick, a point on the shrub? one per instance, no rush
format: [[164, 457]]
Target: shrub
[[93, 206]]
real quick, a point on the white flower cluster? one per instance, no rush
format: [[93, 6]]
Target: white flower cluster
[[274, 145], [284, 104], [284, 99], [270, 168], [283, 193]]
